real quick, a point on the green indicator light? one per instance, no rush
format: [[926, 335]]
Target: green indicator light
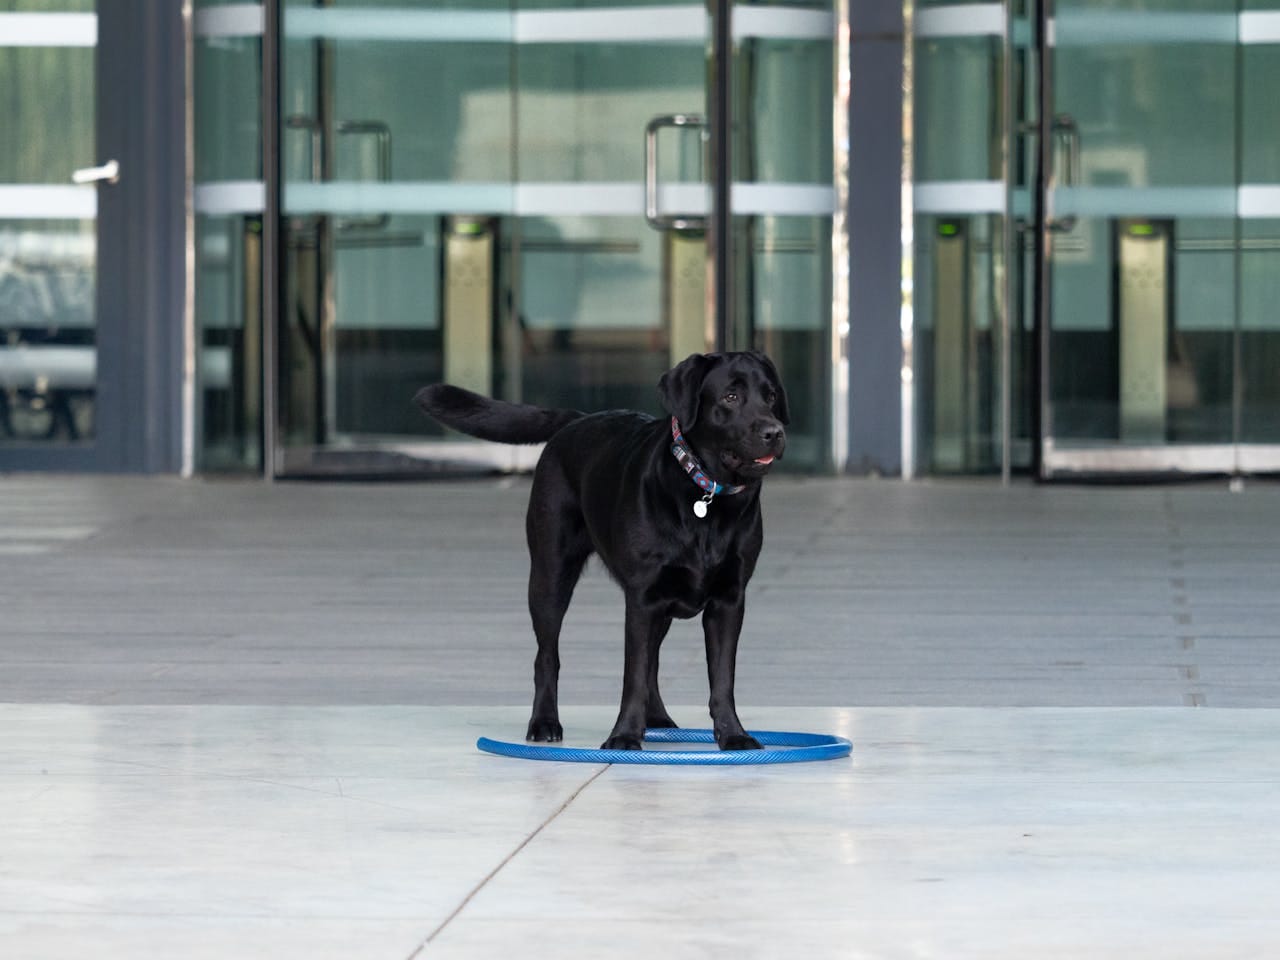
[[948, 229], [1142, 230]]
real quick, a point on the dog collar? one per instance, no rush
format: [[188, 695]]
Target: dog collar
[[697, 473]]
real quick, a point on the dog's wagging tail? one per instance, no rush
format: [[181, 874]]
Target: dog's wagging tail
[[489, 419], [670, 505]]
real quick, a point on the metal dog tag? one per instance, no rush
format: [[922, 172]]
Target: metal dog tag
[[699, 508]]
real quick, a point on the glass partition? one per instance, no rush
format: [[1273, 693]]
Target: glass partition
[[1143, 313], [959, 132], [514, 198], [1259, 341], [600, 302], [48, 246], [396, 162], [1137, 213], [783, 172], [227, 74]]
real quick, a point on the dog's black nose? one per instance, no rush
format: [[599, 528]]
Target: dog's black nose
[[771, 434]]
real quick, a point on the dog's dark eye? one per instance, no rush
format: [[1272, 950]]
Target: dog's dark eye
[[769, 397], [730, 397]]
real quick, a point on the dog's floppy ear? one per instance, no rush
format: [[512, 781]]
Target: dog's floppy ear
[[681, 388], [780, 409]]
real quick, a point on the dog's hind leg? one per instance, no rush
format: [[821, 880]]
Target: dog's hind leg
[[558, 550], [550, 590], [655, 714]]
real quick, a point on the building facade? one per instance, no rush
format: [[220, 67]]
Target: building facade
[[977, 238]]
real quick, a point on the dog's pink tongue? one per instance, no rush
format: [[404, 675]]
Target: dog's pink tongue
[[765, 461]]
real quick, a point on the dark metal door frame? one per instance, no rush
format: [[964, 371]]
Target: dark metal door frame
[[272, 234], [720, 238], [1040, 295]]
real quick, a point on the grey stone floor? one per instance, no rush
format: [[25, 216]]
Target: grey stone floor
[[237, 721], [869, 593]]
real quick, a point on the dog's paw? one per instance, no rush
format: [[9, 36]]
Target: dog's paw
[[740, 741], [623, 742], [544, 731]]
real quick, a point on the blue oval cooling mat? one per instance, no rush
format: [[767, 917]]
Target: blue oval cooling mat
[[780, 747]]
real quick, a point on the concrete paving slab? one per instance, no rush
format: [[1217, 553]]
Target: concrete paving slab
[[236, 720], [380, 831], [869, 593]]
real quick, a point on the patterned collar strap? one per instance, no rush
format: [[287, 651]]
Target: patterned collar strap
[[684, 456]]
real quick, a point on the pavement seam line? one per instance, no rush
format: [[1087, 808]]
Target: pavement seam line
[[505, 860], [1182, 612]]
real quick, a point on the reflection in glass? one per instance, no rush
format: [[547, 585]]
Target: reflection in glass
[[1143, 309], [47, 355], [1260, 247], [783, 264], [788, 275], [591, 315], [228, 265], [48, 358], [958, 266], [372, 298], [228, 111], [229, 319], [956, 343], [472, 210], [1260, 332], [598, 304]]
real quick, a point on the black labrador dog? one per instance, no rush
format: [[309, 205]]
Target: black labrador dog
[[672, 508]]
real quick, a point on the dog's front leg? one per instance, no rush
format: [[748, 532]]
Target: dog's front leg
[[721, 625], [644, 629]]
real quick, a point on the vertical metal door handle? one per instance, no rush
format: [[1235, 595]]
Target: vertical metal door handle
[[298, 226], [656, 220], [1065, 131], [375, 128], [382, 134], [302, 122]]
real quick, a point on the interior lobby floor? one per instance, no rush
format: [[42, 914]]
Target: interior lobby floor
[[238, 720]]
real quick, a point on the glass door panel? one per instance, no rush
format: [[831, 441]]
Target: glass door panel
[[783, 201], [48, 353], [465, 196], [959, 271], [228, 201], [1142, 237], [393, 119], [1138, 207], [1259, 348], [604, 303], [516, 199]]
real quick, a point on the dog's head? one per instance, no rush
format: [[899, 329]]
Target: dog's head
[[732, 409]]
